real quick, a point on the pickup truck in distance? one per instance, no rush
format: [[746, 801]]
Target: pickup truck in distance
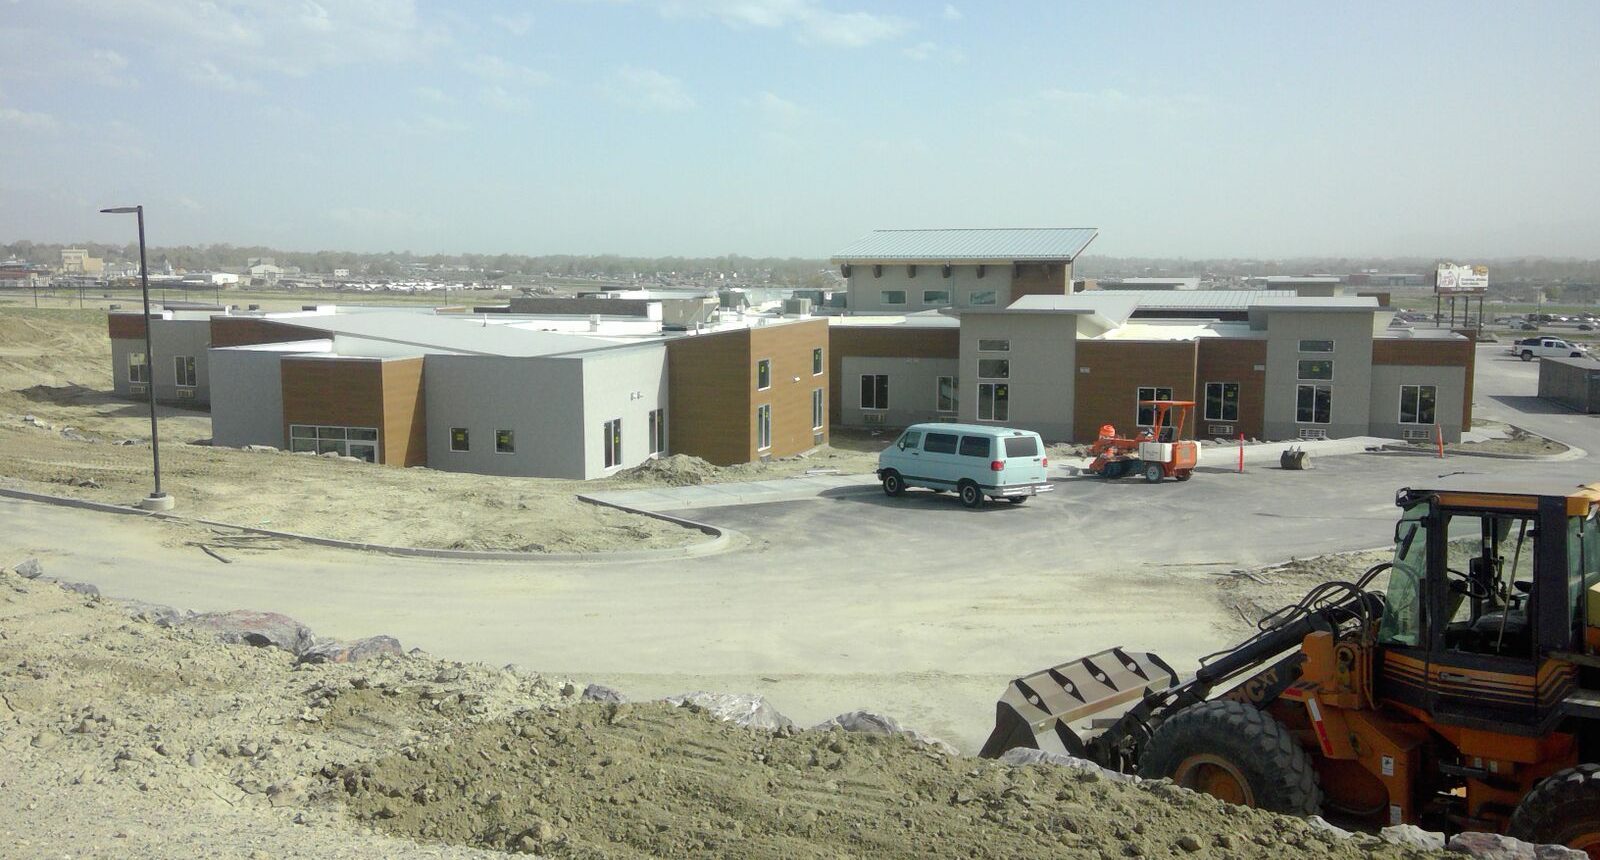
[[1546, 347]]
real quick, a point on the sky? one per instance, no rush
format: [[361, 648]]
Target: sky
[[789, 127]]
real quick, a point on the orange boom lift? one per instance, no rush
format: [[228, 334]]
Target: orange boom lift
[[1156, 453]]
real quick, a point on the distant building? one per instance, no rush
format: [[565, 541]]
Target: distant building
[[76, 261], [210, 279], [1320, 286], [1148, 283]]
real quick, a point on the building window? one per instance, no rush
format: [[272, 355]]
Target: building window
[[504, 442], [947, 394], [1313, 404], [816, 361], [764, 427], [138, 368], [1316, 346], [459, 440], [994, 345], [994, 401], [658, 431], [981, 297], [994, 368], [1222, 401], [893, 297], [183, 368], [764, 374], [936, 297], [816, 408], [359, 442], [875, 391], [612, 442], [1417, 404], [1316, 368], [1147, 414]]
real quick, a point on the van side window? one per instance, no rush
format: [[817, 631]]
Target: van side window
[[1022, 446], [940, 443], [911, 440], [976, 446]]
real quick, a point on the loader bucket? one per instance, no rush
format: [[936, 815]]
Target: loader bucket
[[1038, 710]]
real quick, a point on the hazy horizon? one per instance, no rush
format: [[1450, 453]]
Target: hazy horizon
[[786, 128]]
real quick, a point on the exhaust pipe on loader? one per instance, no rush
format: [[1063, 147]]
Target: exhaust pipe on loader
[[1038, 710]]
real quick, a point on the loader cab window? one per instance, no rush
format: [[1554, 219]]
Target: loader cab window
[[1402, 609], [1489, 585], [1583, 567]]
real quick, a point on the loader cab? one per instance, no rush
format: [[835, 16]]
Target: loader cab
[[1487, 585]]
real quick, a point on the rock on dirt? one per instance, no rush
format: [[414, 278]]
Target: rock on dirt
[[30, 569], [742, 709], [1411, 834], [868, 722], [370, 648], [1022, 756], [1493, 846], [602, 693], [261, 629]]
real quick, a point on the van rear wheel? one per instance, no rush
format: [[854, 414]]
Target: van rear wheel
[[893, 484], [971, 496]]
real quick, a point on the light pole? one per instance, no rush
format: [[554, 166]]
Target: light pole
[[157, 501]]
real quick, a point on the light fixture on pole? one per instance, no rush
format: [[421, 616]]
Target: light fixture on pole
[[157, 500]]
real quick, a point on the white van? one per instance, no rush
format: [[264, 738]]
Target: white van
[[976, 461]]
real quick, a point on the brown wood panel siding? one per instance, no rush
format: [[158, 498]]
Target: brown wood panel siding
[[1432, 353], [789, 347], [1232, 360], [246, 331], [883, 342], [710, 381], [1108, 392], [404, 439], [1039, 279], [343, 392], [125, 326]]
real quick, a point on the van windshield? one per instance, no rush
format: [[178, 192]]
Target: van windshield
[[1022, 446]]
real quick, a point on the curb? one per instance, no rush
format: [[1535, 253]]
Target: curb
[[721, 539], [1570, 454]]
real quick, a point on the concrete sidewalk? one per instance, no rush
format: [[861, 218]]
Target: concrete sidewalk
[[809, 487]]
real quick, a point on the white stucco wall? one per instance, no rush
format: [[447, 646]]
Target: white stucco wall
[[625, 384], [913, 389], [866, 290], [1043, 379]]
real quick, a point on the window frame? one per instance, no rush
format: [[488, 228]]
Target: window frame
[[1417, 409], [927, 438], [939, 395], [883, 297], [1328, 418], [763, 368], [658, 431], [819, 408], [1155, 394], [928, 301], [1001, 364], [876, 389], [466, 440], [1301, 347], [972, 298], [1300, 370], [612, 443], [508, 445], [183, 366], [143, 362], [333, 438], [1222, 401], [987, 344], [818, 365], [999, 393], [764, 427]]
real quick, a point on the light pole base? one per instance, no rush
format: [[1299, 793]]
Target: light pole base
[[163, 502]]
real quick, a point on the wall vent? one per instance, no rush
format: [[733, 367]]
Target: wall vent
[[818, 438], [1313, 433], [1219, 429], [137, 388], [872, 418], [1423, 434], [186, 394]]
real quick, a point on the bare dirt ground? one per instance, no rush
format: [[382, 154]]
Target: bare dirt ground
[[60, 425], [111, 726]]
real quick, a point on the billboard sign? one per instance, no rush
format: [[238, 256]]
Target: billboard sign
[[1457, 280]]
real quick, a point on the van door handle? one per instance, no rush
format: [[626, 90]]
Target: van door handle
[[1454, 677]]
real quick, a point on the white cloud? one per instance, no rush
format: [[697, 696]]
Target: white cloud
[[924, 51], [492, 68], [810, 20], [29, 120], [951, 13], [429, 124], [780, 111], [648, 89], [210, 74]]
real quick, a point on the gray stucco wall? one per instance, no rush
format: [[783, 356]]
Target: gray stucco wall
[[913, 389], [1385, 402], [866, 290], [170, 338], [1351, 405], [625, 384], [248, 406], [1043, 358]]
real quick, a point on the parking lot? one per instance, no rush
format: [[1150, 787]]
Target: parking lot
[[914, 606]]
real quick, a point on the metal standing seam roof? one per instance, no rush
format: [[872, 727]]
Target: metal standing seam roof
[[988, 245], [467, 335], [1200, 300]]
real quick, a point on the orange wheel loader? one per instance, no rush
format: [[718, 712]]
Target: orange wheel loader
[[1456, 686]]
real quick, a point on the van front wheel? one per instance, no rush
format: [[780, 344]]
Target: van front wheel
[[893, 485], [971, 496]]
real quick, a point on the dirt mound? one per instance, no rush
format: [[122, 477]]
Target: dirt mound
[[678, 470], [600, 780]]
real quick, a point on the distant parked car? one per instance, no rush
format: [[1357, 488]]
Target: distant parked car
[[1546, 347], [976, 461], [1586, 326]]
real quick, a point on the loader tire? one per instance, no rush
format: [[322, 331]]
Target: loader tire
[[1236, 753], [1564, 809]]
